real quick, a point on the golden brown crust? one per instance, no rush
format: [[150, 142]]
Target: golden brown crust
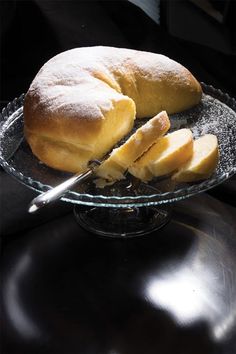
[[86, 100]]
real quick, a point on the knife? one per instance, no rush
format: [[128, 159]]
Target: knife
[[55, 193]]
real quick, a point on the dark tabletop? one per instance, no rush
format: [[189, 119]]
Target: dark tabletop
[[65, 290]]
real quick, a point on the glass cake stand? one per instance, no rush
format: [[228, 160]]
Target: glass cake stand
[[129, 207]]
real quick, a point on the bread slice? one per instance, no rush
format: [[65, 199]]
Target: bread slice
[[203, 162], [122, 157], [165, 156]]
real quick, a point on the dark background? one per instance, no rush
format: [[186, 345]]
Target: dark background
[[201, 39]]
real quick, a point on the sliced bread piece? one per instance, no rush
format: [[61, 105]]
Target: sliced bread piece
[[165, 156], [122, 157], [203, 162]]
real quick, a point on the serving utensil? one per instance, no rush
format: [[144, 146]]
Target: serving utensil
[[55, 193]]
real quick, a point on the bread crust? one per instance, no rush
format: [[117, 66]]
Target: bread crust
[[86, 99]]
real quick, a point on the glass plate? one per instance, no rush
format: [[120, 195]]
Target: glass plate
[[215, 114]]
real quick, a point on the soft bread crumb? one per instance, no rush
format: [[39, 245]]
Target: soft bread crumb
[[165, 156], [203, 162], [122, 157]]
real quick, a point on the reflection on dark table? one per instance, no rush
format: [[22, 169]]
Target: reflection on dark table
[[174, 291]]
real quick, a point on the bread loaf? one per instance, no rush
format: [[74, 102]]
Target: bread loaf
[[83, 101]]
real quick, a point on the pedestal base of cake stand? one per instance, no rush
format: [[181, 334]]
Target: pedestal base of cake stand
[[122, 222]]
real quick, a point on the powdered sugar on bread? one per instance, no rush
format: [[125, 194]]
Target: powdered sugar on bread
[[89, 97]]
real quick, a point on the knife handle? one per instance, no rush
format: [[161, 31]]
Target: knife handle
[[55, 193]]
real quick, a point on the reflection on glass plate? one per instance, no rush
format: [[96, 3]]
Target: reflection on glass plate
[[215, 114]]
